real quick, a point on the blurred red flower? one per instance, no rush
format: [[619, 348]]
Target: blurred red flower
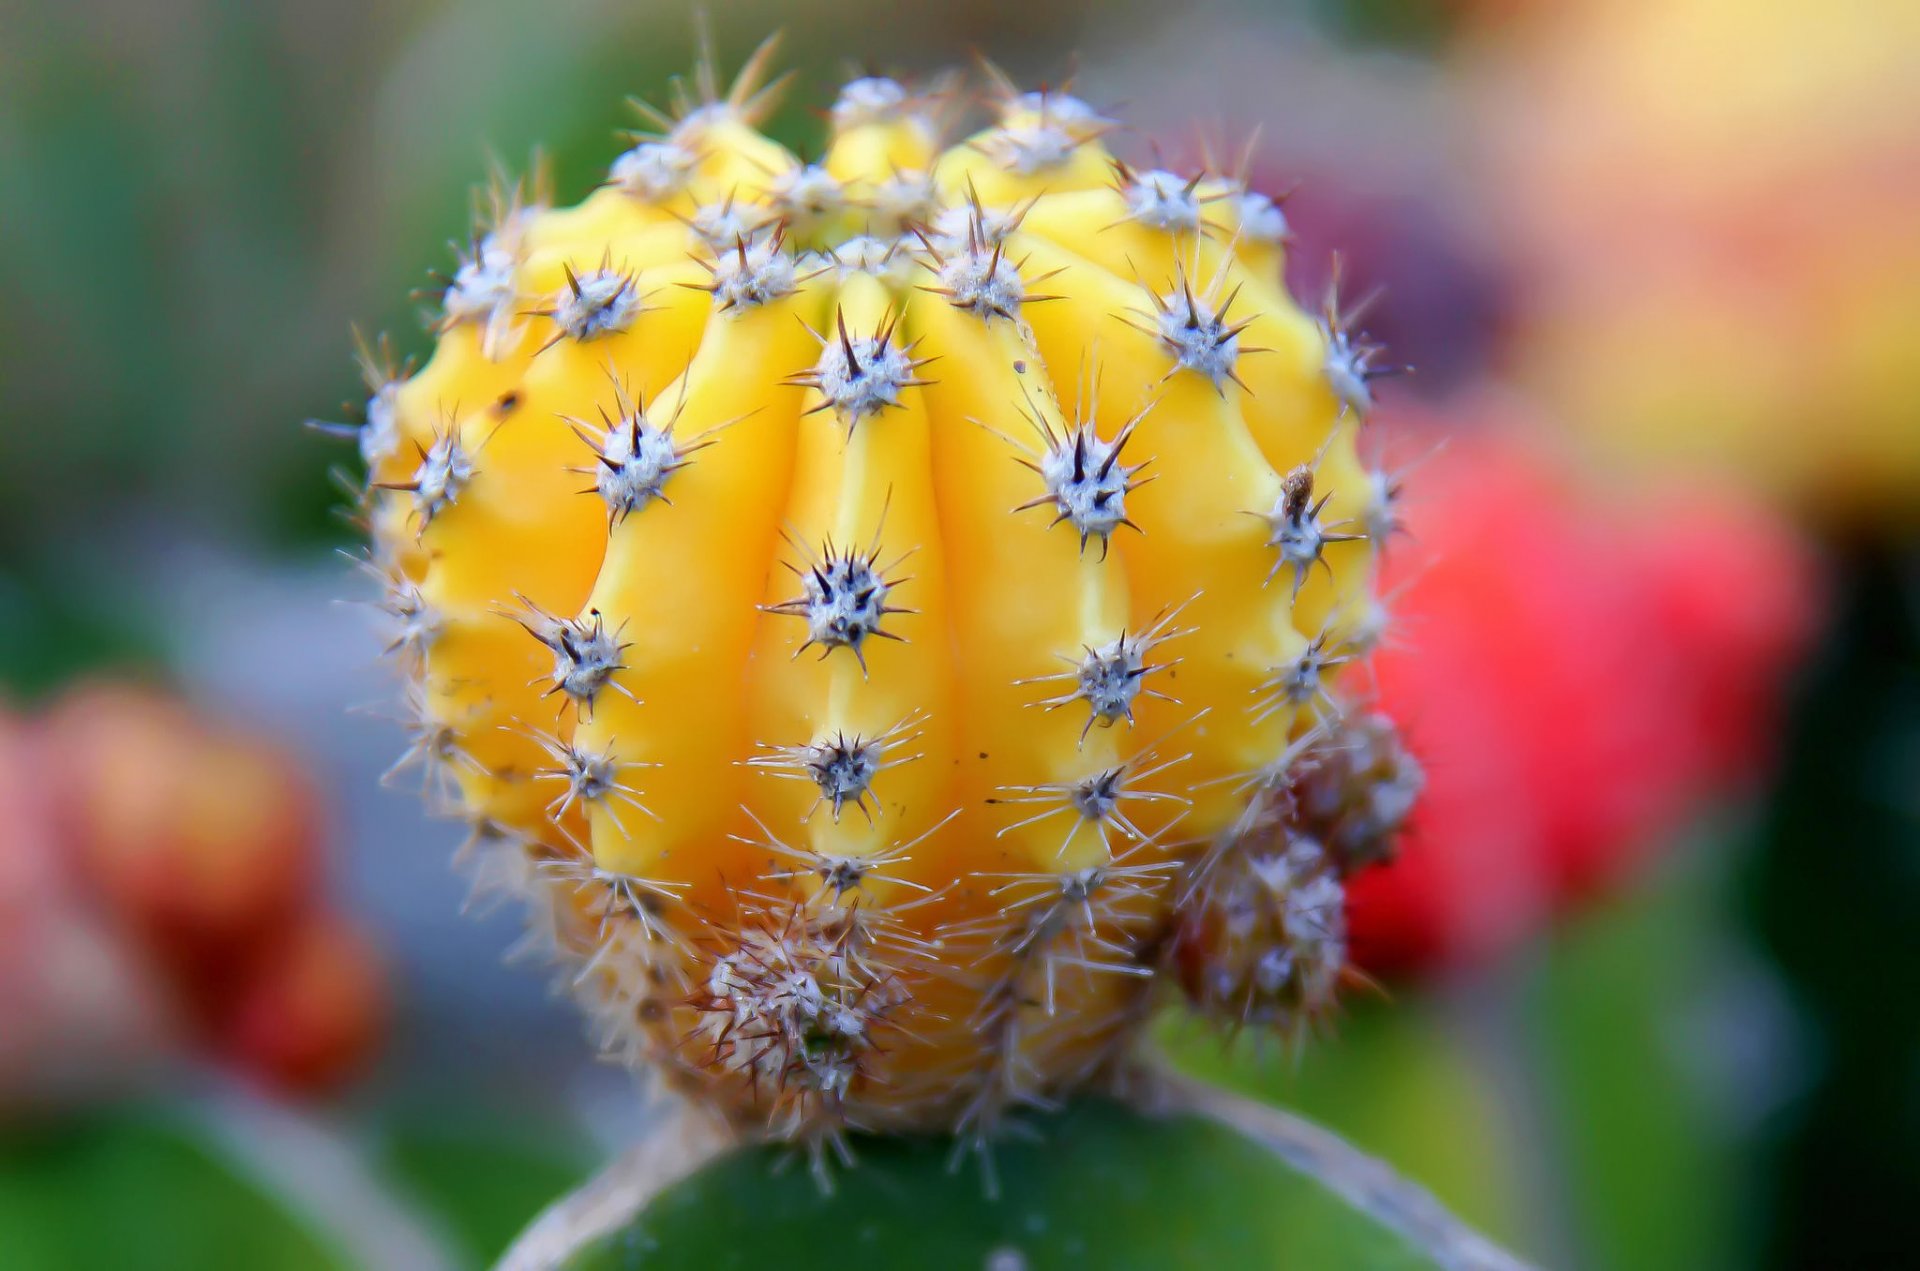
[[1580, 670], [160, 895]]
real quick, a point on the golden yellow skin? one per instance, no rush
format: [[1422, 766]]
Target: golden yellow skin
[[991, 942]]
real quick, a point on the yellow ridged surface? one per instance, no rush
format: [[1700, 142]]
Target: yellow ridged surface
[[987, 931]]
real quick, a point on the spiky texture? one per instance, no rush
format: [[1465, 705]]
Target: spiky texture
[[867, 591], [1260, 936]]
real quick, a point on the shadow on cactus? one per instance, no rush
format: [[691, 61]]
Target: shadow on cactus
[[887, 615]]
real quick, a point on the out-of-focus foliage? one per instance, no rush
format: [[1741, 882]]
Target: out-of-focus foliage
[[1652, 1046], [199, 197], [1635, 1041], [149, 1188], [137, 1193], [54, 626], [1833, 894], [1389, 1078], [480, 1179]]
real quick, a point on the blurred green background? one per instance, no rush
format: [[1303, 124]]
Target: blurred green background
[[1719, 1067]]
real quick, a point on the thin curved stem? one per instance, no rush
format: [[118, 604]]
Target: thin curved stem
[[322, 1176], [1369, 1185], [683, 1143]]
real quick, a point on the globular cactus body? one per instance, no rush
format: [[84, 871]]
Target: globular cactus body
[[872, 596]]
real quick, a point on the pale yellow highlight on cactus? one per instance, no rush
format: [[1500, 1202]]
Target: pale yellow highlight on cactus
[[866, 489], [522, 521], [1005, 602], [1025, 595], [1202, 547], [1286, 403], [975, 164], [870, 153], [679, 583], [1262, 259]]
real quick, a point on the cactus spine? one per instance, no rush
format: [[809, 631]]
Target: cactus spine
[[876, 610]]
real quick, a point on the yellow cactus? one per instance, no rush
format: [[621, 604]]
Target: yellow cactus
[[869, 595]]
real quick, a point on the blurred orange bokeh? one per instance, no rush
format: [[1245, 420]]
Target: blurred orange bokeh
[[1712, 209], [172, 864]]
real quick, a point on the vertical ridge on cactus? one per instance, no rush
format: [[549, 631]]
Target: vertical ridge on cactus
[[885, 615]]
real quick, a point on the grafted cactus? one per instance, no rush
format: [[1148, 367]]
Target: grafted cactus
[[883, 612]]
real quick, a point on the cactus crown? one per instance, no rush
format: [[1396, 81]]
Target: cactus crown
[[891, 608]]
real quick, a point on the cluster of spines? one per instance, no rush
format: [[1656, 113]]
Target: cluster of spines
[[1260, 931], [1102, 918]]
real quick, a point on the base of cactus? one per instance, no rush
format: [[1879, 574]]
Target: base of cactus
[[1369, 1185], [1175, 1171], [679, 1146]]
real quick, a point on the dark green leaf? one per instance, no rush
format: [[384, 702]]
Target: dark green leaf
[[1099, 1186]]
